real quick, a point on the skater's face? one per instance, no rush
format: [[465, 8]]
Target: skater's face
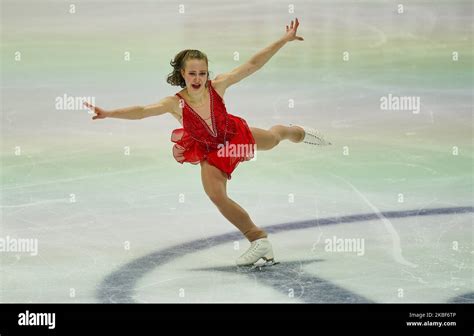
[[195, 75]]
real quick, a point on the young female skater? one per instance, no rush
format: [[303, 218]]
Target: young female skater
[[208, 129]]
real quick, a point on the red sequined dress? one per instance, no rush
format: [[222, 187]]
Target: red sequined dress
[[228, 143]]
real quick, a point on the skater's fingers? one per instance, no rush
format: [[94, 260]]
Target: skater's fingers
[[90, 106], [98, 116]]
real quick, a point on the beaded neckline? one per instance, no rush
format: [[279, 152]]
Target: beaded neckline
[[212, 131]]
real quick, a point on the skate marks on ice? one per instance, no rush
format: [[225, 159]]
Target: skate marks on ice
[[396, 244], [290, 279], [119, 286]]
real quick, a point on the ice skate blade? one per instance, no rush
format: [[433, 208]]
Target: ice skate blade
[[267, 263], [313, 137]]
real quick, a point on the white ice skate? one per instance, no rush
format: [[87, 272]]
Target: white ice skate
[[259, 249], [313, 136]]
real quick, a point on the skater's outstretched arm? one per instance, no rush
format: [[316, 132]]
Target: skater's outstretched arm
[[166, 105], [258, 60]]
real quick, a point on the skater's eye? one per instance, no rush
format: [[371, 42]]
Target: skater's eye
[[201, 73]]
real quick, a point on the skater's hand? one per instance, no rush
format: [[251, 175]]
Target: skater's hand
[[291, 32], [99, 112]]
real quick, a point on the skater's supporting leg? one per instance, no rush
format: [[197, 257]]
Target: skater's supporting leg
[[214, 182], [267, 139]]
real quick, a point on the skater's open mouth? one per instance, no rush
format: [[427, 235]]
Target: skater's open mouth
[[196, 86]]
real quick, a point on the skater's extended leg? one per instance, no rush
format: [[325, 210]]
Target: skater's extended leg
[[268, 139], [214, 182]]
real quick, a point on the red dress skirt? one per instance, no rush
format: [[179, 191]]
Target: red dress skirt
[[224, 146]]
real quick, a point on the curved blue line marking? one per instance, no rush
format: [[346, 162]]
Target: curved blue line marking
[[119, 285]]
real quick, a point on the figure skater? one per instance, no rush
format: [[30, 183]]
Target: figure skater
[[214, 138]]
